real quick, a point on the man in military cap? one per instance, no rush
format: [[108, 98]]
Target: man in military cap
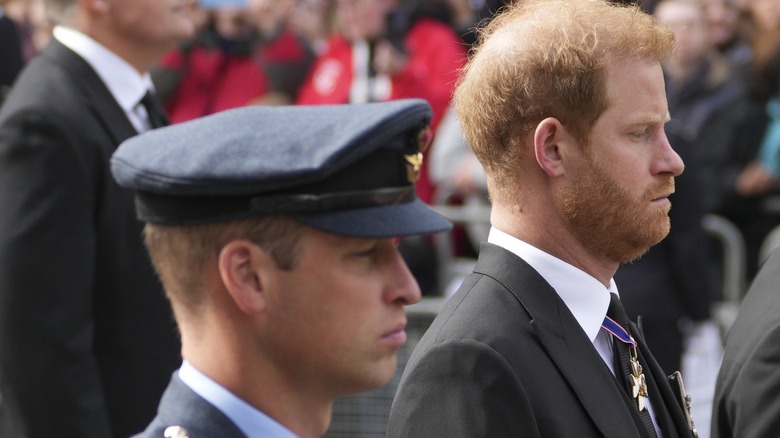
[[273, 231]]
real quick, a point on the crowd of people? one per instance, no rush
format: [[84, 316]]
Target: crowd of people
[[77, 78]]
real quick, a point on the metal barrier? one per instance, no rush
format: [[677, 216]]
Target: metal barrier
[[734, 267], [734, 255], [451, 268]]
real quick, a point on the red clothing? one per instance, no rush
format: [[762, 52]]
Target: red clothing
[[214, 80], [435, 56]]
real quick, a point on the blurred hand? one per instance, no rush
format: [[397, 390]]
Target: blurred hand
[[387, 59], [463, 177], [754, 180]]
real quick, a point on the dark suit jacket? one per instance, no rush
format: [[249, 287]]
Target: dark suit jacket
[[506, 358], [87, 340], [747, 396], [11, 57], [181, 406]]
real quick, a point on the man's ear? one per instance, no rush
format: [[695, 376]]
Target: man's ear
[[547, 146], [241, 265]]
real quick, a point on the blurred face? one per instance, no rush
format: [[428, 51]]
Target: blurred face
[[765, 13], [337, 318], [689, 25], [231, 23], [723, 18], [269, 15], [363, 19], [155, 24], [617, 201]]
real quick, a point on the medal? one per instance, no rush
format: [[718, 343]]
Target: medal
[[638, 382], [637, 376]]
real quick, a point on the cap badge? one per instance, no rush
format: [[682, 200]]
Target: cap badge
[[413, 166], [414, 161]]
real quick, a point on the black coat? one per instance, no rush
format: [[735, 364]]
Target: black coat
[[746, 403], [11, 57], [87, 339]]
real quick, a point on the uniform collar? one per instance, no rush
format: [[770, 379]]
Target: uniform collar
[[250, 420]]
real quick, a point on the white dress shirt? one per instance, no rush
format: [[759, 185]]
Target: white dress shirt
[[252, 422], [124, 82], [586, 298]]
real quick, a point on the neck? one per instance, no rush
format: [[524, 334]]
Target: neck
[[547, 232], [252, 378], [140, 57]]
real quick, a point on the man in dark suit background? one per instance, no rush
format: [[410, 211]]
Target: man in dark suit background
[[564, 105], [87, 341], [746, 403], [11, 56]]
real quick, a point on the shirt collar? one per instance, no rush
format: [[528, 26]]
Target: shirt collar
[[124, 82], [251, 421], [586, 298]]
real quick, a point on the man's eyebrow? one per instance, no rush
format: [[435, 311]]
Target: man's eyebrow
[[650, 119]]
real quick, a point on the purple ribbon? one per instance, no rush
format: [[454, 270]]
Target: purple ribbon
[[618, 331]]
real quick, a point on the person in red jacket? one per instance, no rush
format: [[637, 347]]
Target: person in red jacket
[[384, 51], [245, 54]]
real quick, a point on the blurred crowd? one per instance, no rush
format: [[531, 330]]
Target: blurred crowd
[[723, 89]]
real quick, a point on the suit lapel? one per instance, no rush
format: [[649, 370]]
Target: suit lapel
[[104, 107], [593, 383], [564, 340]]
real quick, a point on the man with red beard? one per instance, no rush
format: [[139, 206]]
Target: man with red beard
[[564, 105]]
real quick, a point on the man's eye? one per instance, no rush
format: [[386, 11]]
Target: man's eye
[[371, 252]]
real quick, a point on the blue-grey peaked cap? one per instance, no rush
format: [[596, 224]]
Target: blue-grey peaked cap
[[344, 169]]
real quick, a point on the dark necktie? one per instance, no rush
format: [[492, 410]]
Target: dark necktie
[[155, 111], [628, 371]]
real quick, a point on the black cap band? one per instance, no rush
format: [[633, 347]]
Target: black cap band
[[310, 203], [164, 209]]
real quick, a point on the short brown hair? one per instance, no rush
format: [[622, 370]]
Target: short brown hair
[[546, 58], [181, 252]]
